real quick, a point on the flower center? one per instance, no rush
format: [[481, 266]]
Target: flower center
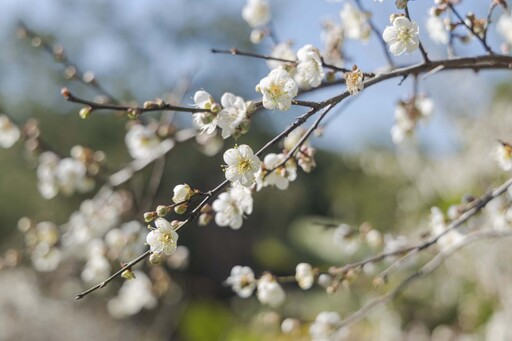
[[166, 237], [275, 90], [244, 165], [404, 35]]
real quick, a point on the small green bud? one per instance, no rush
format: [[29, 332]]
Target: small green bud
[[150, 216], [128, 274], [85, 112], [204, 219], [133, 114], [162, 210], [154, 258], [331, 76], [180, 209]]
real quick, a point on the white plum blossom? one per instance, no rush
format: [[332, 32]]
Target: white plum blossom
[[47, 182], [278, 90], [402, 36], [9, 132], [354, 80], [242, 165], [407, 116], [134, 295], [71, 175], [233, 113], [142, 142], [242, 281], [326, 327], [256, 13], [163, 239], [438, 227], [206, 121], [96, 269], [304, 275], [333, 36], [309, 68], [355, 23], [179, 259], [279, 177], [504, 156], [182, 193], [67, 176], [437, 31], [281, 51], [46, 258], [231, 206], [290, 326], [270, 292], [504, 27]]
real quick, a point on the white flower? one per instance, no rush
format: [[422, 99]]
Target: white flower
[[402, 36], [163, 238], [242, 164], [504, 27], [354, 23], [71, 176], [96, 269], [290, 326], [206, 122], [407, 116], [279, 177], [304, 275], [179, 259], [293, 138], [182, 193], [438, 226], [504, 155], [332, 35], [281, 51], [47, 183], [142, 142], [256, 13], [46, 258], [134, 295], [9, 132], [354, 81], [437, 31], [309, 69], [233, 113], [325, 327], [278, 90], [232, 205], [242, 281], [270, 292]]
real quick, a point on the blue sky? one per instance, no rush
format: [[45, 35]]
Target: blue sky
[[172, 38]]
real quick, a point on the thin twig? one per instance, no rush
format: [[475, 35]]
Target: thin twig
[[58, 53], [428, 268], [237, 52], [378, 34], [476, 35], [426, 60]]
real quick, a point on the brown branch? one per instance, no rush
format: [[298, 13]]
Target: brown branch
[[163, 106]]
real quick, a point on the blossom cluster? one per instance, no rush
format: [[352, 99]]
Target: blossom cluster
[[68, 175]]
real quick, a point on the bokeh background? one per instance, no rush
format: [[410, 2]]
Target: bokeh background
[[142, 50]]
